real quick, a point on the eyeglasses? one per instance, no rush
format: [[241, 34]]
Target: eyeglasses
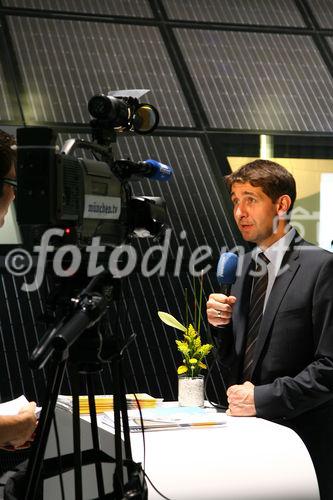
[[10, 182]]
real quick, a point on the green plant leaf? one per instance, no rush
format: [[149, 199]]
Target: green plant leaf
[[200, 302], [168, 319]]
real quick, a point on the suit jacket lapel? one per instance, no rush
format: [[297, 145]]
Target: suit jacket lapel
[[280, 287]]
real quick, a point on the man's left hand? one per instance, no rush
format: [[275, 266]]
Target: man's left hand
[[241, 400]]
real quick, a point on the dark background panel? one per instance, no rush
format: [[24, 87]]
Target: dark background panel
[[136, 8], [264, 12], [194, 200], [259, 81], [286, 86], [7, 112], [150, 361], [323, 12], [330, 42], [64, 63], [20, 330]]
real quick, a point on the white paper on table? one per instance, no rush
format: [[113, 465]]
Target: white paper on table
[[165, 417], [13, 406]]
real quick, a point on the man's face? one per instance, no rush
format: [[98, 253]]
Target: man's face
[[255, 213], [8, 195]]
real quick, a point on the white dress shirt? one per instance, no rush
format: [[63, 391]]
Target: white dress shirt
[[275, 254]]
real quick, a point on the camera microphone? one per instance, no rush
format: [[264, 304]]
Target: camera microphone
[[151, 169], [226, 271]]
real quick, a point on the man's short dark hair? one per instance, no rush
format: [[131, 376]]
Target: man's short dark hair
[[273, 179], [7, 155]]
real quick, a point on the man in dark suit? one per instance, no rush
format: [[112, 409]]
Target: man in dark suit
[[275, 330]]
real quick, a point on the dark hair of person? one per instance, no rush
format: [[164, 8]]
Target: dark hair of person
[[273, 179], [7, 155]]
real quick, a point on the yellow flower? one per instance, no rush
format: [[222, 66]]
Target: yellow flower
[[206, 348], [197, 343], [182, 347], [190, 346], [192, 334]]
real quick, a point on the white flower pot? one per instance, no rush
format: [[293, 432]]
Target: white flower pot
[[191, 391]]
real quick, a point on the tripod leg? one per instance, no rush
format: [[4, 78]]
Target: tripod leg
[[118, 478], [94, 433], [38, 449], [74, 378], [124, 416]]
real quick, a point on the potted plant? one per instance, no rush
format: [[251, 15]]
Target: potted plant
[[191, 382]]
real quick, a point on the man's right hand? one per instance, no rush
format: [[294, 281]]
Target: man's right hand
[[219, 309]]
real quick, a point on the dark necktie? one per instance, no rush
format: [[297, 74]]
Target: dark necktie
[[255, 313]]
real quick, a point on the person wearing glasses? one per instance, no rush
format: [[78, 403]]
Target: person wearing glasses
[[7, 174], [16, 431]]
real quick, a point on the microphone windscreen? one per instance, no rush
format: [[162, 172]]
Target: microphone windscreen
[[226, 268], [159, 171]]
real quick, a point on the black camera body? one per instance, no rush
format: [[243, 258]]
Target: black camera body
[[87, 197], [81, 196]]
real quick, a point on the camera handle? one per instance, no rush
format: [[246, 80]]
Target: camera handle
[[103, 148]]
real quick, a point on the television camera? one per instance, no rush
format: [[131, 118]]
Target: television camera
[[89, 197]]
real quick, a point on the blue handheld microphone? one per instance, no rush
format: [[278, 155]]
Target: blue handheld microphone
[[226, 271]]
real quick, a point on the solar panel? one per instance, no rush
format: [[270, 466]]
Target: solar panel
[[137, 8], [265, 12], [323, 12], [259, 81], [64, 63], [330, 41], [193, 200], [6, 110]]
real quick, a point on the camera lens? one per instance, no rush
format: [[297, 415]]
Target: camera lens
[[109, 108], [100, 106]]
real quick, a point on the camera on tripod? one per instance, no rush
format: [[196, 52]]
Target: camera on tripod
[[89, 197], [86, 198]]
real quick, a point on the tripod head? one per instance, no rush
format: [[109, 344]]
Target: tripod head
[[82, 315]]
